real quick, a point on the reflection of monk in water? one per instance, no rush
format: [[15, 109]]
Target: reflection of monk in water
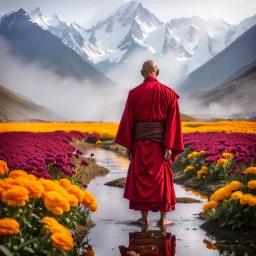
[[150, 129], [150, 243]]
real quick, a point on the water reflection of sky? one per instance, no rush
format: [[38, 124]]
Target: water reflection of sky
[[114, 219]]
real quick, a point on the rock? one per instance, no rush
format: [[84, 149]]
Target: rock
[[119, 183], [187, 200]]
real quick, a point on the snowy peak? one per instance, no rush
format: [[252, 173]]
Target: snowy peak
[[236, 31], [217, 24], [125, 13], [45, 21]]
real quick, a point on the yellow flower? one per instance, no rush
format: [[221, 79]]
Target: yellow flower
[[62, 241], [56, 203], [221, 161], [210, 205], [9, 226], [189, 168], [228, 155], [34, 188], [73, 201], [15, 196], [65, 183], [76, 191], [252, 201], [3, 167], [88, 198], [245, 199], [236, 195], [250, 170], [202, 172], [252, 184], [98, 142], [235, 185], [219, 195], [18, 174], [60, 237], [93, 207]]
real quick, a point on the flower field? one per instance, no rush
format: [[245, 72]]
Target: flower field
[[42, 201], [230, 159], [110, 129], [41, 197]]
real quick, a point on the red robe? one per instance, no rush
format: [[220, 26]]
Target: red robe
[[149, 184]]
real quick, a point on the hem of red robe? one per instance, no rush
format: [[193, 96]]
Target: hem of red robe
[[155, 207]]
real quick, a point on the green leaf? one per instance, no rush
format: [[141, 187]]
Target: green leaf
[[223, 224], [5, 251], [35, 216], [29, 249], [67, 220]]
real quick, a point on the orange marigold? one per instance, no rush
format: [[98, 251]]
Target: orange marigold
[[65, 183], [76, 191], [56, 203], [9, 226], [3, 167], [88, 198], [93, 207], [17, 174], [15, 196], [62, 241]]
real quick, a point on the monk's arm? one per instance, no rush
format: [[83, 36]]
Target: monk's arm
[[124, 133], [173, 136]]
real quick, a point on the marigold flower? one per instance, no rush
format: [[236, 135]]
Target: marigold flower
[[62, 241], [76, 191], [56, 203], [221, 161], [189, 168], [245, 199], [88, 198], [228, 155], [65, 183], [15, 196], [235, 185], [250, 170], [93, 207], [73, 201], [236, 195], [9, 226], [252, 201], [252, 184], [210, 205], [18, 174], [3, 167]]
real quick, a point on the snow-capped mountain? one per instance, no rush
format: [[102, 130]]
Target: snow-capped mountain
[[190, 41], [236, 31], [193, 41]]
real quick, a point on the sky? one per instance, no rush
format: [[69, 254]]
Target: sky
[[88, 12]]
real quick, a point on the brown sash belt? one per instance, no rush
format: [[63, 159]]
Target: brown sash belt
[[154, 131]]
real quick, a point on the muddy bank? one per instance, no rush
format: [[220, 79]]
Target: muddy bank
[[88, 173], [111, 145], [245, 237]]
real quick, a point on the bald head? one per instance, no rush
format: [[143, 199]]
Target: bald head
[[149, 68]]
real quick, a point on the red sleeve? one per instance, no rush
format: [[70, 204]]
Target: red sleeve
[[173, 135], [124, 133]]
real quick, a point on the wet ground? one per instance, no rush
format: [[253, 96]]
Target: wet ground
[[114, 221]]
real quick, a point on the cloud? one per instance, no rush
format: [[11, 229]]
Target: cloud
[[67, 97]]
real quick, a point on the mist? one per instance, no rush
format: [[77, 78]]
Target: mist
[[75, 100]]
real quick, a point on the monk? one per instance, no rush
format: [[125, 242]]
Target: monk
[[150, 129]]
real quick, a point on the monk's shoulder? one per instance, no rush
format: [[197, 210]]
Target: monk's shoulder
[[135, 90], [169, 91]]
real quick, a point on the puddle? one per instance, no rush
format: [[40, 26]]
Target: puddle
[[115, 231]]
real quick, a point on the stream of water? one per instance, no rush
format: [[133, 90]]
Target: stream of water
[[114, 220]]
